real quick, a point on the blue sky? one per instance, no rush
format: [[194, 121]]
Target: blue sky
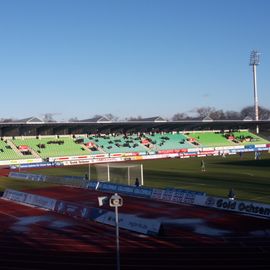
[[130, 57]]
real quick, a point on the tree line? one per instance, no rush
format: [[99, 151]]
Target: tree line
[[219, 114], [196, 114], [209, 112]]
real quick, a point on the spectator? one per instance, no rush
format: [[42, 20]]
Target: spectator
[[231, 195], [137, 183]]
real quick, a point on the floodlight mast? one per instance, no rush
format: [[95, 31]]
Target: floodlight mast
[[254, 62]]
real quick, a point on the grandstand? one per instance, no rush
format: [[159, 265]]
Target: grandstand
[[118, 143], [89, 144], [206, 139], [246, 137], [141, 143], [167, 141], [221, 138], [7, 153], [97, 141], [52, 146]]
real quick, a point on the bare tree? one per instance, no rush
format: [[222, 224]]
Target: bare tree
[[247, 112], [97, 116], [111, 117], [203, 112], [73, 119], [264, 114], [232, 115], [48, 117], [132, 118], [7, 120], [217, 114], [180, 116]]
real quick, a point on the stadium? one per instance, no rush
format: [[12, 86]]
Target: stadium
[[89, 180], [57, 177]]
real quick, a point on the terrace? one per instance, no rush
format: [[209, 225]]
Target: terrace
[[52, 146]]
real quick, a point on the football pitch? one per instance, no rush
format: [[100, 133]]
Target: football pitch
[[249, 178]]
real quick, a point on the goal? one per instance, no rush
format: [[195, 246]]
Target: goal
[[121, 173]]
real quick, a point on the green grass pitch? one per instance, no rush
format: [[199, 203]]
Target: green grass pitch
[[250, 178]]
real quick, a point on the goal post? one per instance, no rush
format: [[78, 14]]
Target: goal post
[[125, 173]]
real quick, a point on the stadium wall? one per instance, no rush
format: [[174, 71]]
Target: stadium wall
[[169, 195]]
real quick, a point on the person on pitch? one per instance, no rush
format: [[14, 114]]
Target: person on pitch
[[137, 183]]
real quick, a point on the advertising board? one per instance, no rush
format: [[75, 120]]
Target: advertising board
[[15, 195], [27, 176], [243, 207]]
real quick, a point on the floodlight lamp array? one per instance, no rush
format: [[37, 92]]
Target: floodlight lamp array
[[254, 58]]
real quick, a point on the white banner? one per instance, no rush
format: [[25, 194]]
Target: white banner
[[15, 195], [28, 198], [40, 201], [243, 207]]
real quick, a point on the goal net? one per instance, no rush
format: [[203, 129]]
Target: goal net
[[127, 174]]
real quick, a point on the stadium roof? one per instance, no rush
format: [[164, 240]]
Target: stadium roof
[[98, 119], [34, 128], [207, 118], [30, 120], [150, 119], [247, 118]]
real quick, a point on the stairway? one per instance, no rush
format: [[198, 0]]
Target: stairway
[[34, 153], [15, 149], [87, 149]]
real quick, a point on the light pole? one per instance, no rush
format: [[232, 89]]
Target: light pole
[[254, 62], [116, 201], [89, 171]]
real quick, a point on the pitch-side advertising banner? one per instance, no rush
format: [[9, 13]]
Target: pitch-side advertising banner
[[28, 198], [178, 195], [14, 195], [27, 176], [243, 207]]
